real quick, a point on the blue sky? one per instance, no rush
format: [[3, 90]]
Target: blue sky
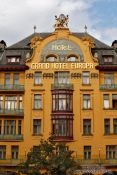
[[17, 17]]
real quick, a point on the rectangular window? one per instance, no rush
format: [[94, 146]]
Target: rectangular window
[[13, 59], [2, 152], [114, 101], [20, 103], [37, 101], [62, 77], [108, 59], [86, 101], [10, 102], [87, 152], [9, 127], [16, 79], [7, 79], [62, 102], [38, 78], [106, 126], [85, 78], [115, 126], [86, 126], [106, 101], [108, 78], [0, 126], [14, 152], [62, 127], [1, 102], [37, 126], [19, 127], [111, 152]]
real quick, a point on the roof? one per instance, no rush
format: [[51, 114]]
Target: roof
[[26, 41]]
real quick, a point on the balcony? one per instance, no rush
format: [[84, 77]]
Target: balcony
[[13, 112], [11, 87], [61, 86], [11, 162], [16, 137], [108, 87]]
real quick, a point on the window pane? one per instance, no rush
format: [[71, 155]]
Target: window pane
[[85, 78], [7, 79], [38, 78], [16, 79], [37, 126]]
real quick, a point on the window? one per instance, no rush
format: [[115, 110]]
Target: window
[[85, 78], [2, 152], [62, 127], [72, 58], [20, 102], [1, 102], [111, 151], [62, 102], [37, 126], [19, 127], [86, 101], [86, 126], [51, 58], [37, 101], [108, 59], [62, 77], [13, 59], [106, 126], [106, 101], [87, 152], [10, 102], [16, 79], [9, 127], [7, 79], [0, 126], [14, 152], [109, 78], [114, 101], [115, 126], [38, 78]]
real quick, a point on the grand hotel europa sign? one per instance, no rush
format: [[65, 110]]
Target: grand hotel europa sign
[[62, 48]]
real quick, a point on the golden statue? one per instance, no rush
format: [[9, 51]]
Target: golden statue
[[61, 21]]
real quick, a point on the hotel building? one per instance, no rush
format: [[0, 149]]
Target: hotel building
[[61, 85]]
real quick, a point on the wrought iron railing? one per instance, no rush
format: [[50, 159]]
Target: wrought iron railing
[[108, 86], [11, 137], [12, 87], [62, 86], [19, 112]]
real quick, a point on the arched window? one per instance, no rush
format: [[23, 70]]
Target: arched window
[[72, 58], [51, 58]]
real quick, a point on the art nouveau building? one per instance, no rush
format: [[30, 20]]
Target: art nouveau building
[[60, 84]]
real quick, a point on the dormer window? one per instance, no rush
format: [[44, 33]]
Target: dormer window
[[13, 59], [51, 58], [72, 58], [108, 59]]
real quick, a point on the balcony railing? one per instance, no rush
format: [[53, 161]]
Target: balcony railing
[[108, 87], [107, 162], [12, 162], [11, 137], [11, 87], [62, 86], [19, 112]]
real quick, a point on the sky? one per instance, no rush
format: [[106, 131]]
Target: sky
[[18, 17]]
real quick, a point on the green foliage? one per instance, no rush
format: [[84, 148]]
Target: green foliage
[[49, 158]]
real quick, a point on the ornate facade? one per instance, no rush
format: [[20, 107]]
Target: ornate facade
[[60, 85]]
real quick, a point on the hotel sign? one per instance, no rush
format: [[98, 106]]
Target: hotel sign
[[63, 66], [61, 47]]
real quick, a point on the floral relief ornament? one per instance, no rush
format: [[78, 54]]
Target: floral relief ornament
[[61, 21]]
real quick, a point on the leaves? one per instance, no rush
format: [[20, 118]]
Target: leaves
[[49, 157]]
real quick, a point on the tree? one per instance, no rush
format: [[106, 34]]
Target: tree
[[49, 158]]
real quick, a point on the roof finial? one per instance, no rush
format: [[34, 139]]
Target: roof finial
[[85, 27], [34, 28]]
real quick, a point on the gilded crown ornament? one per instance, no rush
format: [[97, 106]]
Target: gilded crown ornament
[[61, 21]]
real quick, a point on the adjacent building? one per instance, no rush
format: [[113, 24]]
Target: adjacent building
[[61, 85]]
